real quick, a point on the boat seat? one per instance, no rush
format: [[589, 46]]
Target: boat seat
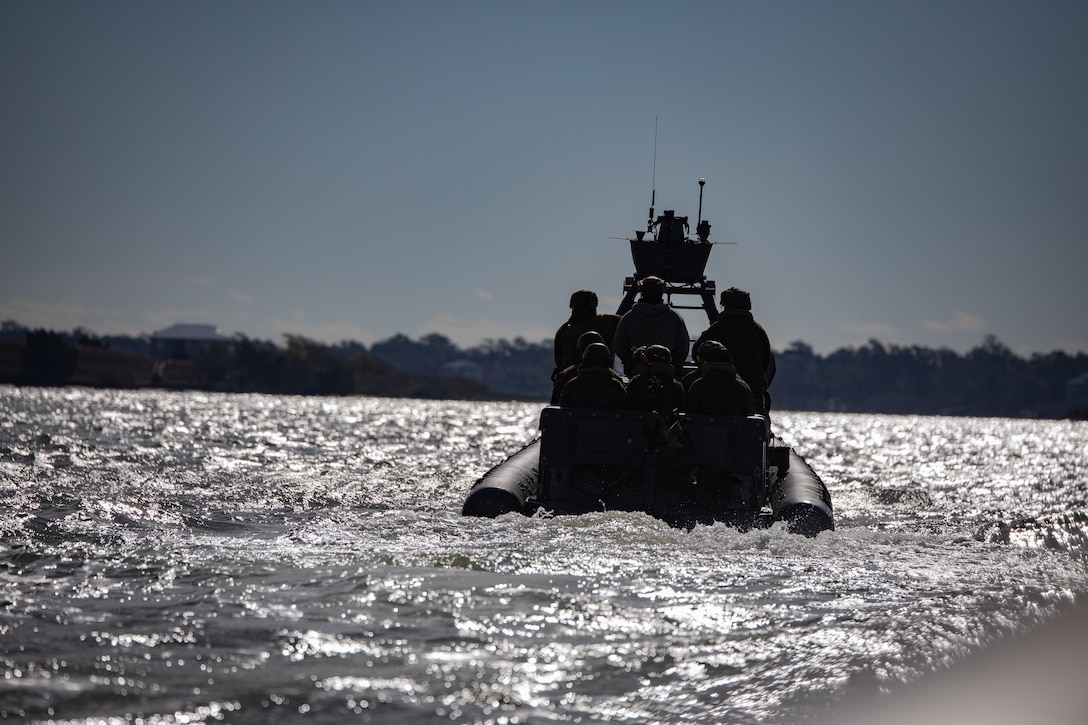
[[729, 443], [572, 436]]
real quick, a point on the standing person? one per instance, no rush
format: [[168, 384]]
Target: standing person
[[583, 318], [651, 322], [747, 341]]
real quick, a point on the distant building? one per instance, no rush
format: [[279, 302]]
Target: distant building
[[464, 369], [179, 342], [1076, 392]]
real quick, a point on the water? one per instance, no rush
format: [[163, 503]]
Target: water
[[192, 557]]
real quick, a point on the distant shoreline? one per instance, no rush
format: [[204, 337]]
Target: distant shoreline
[[98, 367], [990, 381]]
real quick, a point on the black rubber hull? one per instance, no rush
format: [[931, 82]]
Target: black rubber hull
[[506, 487], [798, 497], [802, 500]]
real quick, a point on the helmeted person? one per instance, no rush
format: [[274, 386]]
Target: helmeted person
[[656, 387], [565, 375], [699, 352], [583, 318], [651, 321], [596, 385], [719, 389], [747, 341], [639, 361]]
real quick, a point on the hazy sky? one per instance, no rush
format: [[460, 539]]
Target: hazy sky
[[915, 172]]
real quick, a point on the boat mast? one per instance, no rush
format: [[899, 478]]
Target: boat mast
[[702, 183], [653, 183]]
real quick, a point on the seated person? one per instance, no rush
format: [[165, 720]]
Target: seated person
[[719, 388], [639, 361], [596, 385], [700, 358], [655, 387], [564, 376]]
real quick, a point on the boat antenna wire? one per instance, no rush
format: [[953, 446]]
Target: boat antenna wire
[[653, 183]]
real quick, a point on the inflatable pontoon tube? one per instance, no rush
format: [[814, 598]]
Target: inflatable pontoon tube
[[802, 500], [505, 487]]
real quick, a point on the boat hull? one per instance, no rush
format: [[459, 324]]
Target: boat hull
[[507, 487], [687, 470], [801, 499]]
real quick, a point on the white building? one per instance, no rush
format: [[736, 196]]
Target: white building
[[1076, 392], [178, 342]]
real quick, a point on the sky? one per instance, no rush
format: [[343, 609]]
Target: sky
[[912, 172]]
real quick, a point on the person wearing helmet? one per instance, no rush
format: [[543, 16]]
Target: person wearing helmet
[[565, 375], [700, 353], [651, 321], [639, 361], [583, 318], [596, 385], [656, 386], [719, 388], [747, 341]]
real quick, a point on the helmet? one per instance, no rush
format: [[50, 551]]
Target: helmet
[[583, 298], [735, 298], [597, 354], [710, 348], [716, 353], [586, 339], [652, 288], [658, 354]]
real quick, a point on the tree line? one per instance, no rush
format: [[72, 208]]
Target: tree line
[[989, 380], [298, 367]]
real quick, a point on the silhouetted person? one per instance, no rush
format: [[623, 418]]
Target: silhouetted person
[[583, 318], [651, 322], [565, 375], [596, 385], [656, 386], [746, 339], [719, 389], [699, 353]]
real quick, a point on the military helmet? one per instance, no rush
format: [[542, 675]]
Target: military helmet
[[597, 353], [735, 298], [583, 298], [709, 347], [658, 354], [651, 287], [716, 353], [586, 339]]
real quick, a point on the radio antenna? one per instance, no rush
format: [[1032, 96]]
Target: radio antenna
[[702, 183], [653, 183]]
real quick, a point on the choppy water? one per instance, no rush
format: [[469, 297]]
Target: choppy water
[[190, 557]]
